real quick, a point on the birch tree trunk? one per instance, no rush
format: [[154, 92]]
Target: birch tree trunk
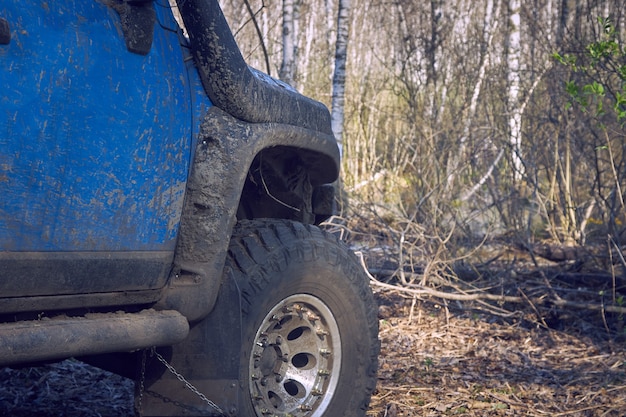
[[286, 72], [339, 74], [514, 77]]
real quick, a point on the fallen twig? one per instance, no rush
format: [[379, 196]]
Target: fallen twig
[[553, 300]]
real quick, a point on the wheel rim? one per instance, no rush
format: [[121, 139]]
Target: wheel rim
[[295, 360]]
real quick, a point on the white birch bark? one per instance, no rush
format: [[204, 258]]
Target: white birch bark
[[286, 72], [339, 74], [514, 77], [296, 48]]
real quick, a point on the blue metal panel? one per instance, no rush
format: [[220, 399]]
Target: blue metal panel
[[95, 141]]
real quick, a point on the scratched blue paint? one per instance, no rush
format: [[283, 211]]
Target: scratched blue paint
[[95, 141]]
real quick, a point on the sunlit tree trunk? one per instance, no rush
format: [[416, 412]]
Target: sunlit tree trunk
[[296, 45], [339, 74], [288, 65], [433, 64], [514, 77]]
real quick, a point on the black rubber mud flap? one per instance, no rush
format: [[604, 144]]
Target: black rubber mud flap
[[208, 359], [137, 19], [5, 32]]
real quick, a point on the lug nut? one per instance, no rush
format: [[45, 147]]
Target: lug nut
[[321, 333], [312, 317]]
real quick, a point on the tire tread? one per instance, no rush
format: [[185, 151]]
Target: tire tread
[[260, 247]]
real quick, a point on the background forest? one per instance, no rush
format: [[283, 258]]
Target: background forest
[[465, 121], [483, 184]]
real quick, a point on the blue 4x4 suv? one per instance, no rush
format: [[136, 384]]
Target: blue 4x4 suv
[[158, 202]]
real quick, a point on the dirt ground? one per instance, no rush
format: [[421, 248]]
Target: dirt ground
[[439, 357], [436, 360], [439, 360]]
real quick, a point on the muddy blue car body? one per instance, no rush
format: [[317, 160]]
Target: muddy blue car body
[[139, 155]]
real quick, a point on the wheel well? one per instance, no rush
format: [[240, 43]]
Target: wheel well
[[277, 185]]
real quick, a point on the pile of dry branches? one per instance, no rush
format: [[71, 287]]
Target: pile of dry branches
[[548, 284], [490, 327]]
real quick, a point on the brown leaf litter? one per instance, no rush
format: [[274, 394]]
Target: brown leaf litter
[[437, 360]]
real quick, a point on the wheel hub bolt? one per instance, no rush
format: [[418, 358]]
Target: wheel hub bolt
[[325, 352], [312, 317], [321, 333]]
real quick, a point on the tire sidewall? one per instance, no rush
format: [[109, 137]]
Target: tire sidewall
[[325, 272]]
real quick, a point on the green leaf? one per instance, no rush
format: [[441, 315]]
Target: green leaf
[[572, 89]]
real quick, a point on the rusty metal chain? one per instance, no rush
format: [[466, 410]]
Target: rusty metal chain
[[178, 376], [188, 384], [142, 383]]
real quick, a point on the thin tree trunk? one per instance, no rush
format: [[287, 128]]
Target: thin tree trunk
[[286, 72], [491, 24], [562, 24], [296, 48], [514, 76], [339, 75], [259, 34], [304, 57]]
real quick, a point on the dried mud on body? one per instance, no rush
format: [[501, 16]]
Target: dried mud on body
[[441, 360]]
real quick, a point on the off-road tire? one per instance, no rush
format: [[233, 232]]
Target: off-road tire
[[310, 329]]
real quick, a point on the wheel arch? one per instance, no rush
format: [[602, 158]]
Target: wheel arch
[[221, 184]]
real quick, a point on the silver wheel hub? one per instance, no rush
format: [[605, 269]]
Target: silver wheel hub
[[296, 359]]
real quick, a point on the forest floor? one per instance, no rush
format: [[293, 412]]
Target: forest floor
[[510, 336], [441, 360]]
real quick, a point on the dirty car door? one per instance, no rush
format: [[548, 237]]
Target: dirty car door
[[94, 150]]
